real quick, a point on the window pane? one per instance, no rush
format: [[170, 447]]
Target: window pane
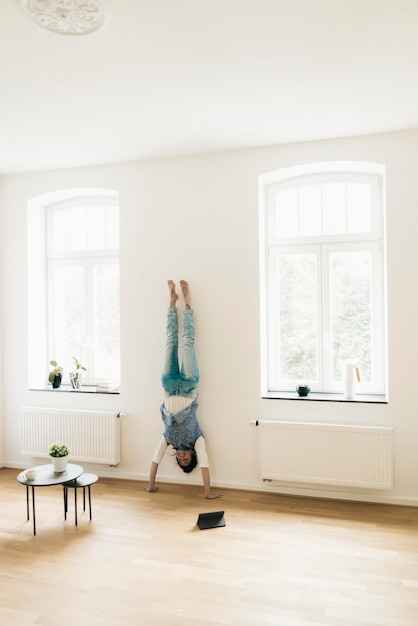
[[310, 210], [298, 308], [61, 230], [333, 204], [96, 228], [106, 321], [350, 308], [68, 313], [78, 227], [112, 228], [287, 213], [359, 208]]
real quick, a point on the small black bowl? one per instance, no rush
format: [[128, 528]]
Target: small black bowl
[[303, 390]]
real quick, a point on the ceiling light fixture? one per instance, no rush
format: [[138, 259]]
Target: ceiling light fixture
[[66, 17]]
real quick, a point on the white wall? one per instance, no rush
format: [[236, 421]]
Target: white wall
[[196, 218]]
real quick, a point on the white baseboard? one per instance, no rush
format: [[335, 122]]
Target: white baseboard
[[364, 495]]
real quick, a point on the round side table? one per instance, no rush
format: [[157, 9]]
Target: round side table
[[85, 480]]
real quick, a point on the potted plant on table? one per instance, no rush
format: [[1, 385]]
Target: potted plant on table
[[55, 375], [75, 376], [59, 454]]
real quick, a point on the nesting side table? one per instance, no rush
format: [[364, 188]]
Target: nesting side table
[[84, 480], [45, 477]]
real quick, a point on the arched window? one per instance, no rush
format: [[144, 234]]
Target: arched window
[[78, 264], [322, 277]]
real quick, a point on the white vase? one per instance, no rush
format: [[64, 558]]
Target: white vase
[[351, 375], [59, 463]]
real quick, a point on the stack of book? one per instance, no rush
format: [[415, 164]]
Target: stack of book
[[105, 386]]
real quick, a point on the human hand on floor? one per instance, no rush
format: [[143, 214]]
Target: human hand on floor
[[212, 495]]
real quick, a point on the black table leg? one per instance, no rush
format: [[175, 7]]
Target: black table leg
[[33, 509], [65, 494], [75, 504], [27, 501], [89, 501]]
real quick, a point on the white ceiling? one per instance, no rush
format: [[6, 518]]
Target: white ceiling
[[171, 77]]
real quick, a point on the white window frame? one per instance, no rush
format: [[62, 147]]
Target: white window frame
[[40, 342], [271, 245], [87, 260]]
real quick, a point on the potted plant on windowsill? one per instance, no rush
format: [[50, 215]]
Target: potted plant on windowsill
[[75, 376], [59, 455], [55, 375]]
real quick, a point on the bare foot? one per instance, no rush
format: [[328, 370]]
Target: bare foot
[[173, 294], [186, 293]]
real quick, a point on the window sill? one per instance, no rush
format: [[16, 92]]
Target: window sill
[[83, 389], [325, 397]]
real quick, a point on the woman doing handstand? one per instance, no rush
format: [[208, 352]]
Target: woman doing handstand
[[181, 428]]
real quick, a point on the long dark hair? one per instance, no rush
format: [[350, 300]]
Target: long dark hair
[[193, 462]]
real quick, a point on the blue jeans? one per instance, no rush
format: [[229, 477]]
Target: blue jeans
[[176, 381]]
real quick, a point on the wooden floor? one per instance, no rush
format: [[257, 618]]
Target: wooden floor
[[279, 561]]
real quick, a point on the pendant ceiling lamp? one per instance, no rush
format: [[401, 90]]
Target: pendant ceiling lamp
[[67, 17]]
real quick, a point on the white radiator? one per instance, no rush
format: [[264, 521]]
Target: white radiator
[[353, 456], [93, 436]]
